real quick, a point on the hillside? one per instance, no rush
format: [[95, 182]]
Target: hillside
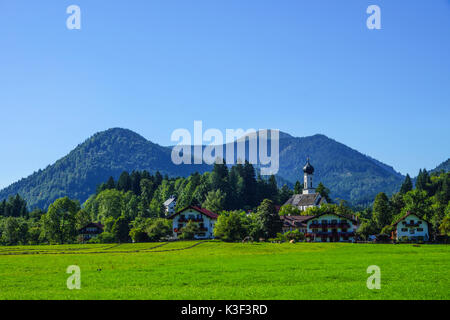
[[346, 172], [444, 166], [349, 174], [105, 154]]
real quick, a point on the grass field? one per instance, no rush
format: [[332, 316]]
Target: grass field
[[216, 270]]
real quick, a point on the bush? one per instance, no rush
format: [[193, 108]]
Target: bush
[[188, 232], [295, 235], [106, 237]]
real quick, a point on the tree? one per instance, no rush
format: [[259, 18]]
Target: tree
[[324, 192], [15, 231], [231, 226], [189, 231], [423, 180], [381, 211], [298, 188], [110, 184], [214, 201], [124, 182], [109, 204], [121, 230], [159, 229], [289, 210], [82, 218], [444, 228], [417, 202], [269, 219], [407, 185], [59, 223], [367, 228], [285, 194]]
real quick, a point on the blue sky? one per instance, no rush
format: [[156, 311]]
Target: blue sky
[[303, 67]]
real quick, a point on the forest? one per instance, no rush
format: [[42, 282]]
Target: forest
[[131, 208]]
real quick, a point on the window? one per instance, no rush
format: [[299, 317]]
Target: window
[[419, 229], [404, 229]]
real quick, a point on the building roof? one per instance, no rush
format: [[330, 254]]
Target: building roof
[[294, 221], [406, 215], [299, 200], [204, 211], [93, 224], [332, 213], [169, 201]]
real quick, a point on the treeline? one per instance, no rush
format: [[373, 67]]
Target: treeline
[[428, 200], [131, 208]]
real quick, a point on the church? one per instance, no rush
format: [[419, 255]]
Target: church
[[309, 197]]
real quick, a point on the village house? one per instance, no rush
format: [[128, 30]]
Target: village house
[[331, 227], [309, 197], [169, 205], [91, 230], [291, 223], [411, 228], [204, 219]]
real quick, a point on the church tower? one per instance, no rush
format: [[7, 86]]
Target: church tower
[[308, 171]]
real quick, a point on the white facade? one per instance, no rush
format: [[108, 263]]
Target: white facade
[[308, 184], [413, 228], [170, 205], [330, 228], [204, 222]]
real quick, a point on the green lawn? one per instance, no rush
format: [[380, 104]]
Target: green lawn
[[216, 270]]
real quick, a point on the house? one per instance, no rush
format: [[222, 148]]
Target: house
[[170, 204], [412, 228], [90, 231], [331, 227], [205, 220], [291, 223], [309, 197]]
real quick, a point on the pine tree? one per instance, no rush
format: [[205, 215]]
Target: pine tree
[[298, 188], [324, 192], [407, 185], [381, 211], [423, 179], [269, 219], [110, 184], [124, 182]]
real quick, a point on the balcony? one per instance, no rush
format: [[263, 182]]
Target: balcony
[[411, 224], [190, 219]]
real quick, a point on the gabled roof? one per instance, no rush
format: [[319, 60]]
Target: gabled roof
[[294, 221], [298, 200], [169, 201], [406, 215], [204, 211], [335, 214], [93, 224]]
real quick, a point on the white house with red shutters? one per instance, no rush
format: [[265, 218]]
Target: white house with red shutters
[[411, 227], [330, 227], [204, 219]]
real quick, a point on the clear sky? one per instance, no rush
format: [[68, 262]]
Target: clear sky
[[153, 66]]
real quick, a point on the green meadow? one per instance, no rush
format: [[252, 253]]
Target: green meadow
[[217, 270]]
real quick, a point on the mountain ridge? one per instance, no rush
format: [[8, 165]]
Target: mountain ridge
[[349, 174]]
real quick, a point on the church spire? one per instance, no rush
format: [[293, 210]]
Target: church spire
[[308, 171]]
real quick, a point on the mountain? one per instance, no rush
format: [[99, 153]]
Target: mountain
[[444, 166], [348, 173], [105, 154]]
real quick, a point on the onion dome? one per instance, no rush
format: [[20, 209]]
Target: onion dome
[[308, 168]]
